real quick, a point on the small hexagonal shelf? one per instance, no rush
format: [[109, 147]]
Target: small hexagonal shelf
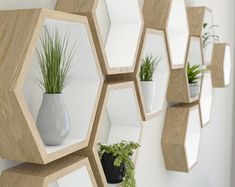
[[221, 65], [201, 24], [181, 137], [206, 98], [172, 18], [21, 97], [179, 88], [69, 171], [116, 29], [151, 99], [118, 119]]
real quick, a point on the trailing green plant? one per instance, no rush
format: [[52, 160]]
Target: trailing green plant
[[122, 152], [55, 60], [209, 37], [148, 67], [194, 73]]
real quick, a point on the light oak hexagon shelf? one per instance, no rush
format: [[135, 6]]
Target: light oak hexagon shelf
[[171, 17], [116, 29], [20, 95], [69, 171], [154, 44], [206, 98], [117, 119], [198, 16], [181, 137], [221, 65], [178, 89]]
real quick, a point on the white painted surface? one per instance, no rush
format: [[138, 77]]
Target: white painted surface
[[80, 95], [192, 139], [121, 32], [227, 65], [103, 20], [207, 51], [214, 167], [78, 178], [155, 46], [177, 32], [206, 98]]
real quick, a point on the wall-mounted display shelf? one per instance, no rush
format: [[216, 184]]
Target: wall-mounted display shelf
[[221, 65], [22, 97], [181, 137], [116, 29], [117, 119], [201, 24], [69, 171], [152, 94], [206, 98], [172, 18], [179, 89]]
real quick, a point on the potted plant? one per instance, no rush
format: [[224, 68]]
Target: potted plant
[[117, 162], [54, 59], [194, 74], [146, 75]]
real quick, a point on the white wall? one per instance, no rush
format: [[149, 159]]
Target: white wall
[[214, 167]]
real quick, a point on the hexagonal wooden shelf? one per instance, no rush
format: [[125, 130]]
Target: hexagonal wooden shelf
[[116, 35], [154, 44], [178, 89], [221, 65], [20, 95], [181, 137], [171, 17], [117, 119], [69, 171], [206, 98], [198, 16]]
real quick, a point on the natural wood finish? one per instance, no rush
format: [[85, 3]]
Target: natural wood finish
[[91, 150], [19, 32], [146, 116], [217, 65], [196, 19], [156, 9], [178, 88], [34, 175], [88, 8], [173, 137]]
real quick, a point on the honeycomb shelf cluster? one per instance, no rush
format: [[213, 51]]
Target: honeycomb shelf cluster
[[106, 103]]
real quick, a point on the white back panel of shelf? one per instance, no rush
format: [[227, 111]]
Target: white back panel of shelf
[[77, 178], [192, 140], [80, 95]]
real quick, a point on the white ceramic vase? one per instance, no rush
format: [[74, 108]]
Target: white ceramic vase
[[194, 89], [53, 120], [148, 90]]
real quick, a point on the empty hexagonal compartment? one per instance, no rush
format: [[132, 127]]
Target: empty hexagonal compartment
[[181, 137], [23, 97], [69, 171], [172, 18], [152, 93], [117, 26], [179, 88]]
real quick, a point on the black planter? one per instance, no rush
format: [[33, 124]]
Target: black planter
[[113, 174]]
